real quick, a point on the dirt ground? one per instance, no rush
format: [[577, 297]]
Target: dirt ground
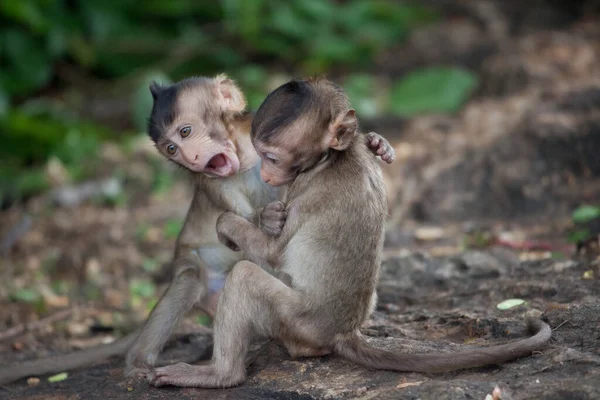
[[480, 212]]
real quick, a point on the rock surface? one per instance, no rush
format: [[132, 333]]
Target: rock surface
[[426, 305]]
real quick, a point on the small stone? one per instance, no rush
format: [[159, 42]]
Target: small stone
[[535, 255], [56, 172], [496, 394], [33, 381], [77, 329], [429, 233]]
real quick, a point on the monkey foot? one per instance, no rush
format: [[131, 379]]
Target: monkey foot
[[185, 375], [299, 351], [133, 372]]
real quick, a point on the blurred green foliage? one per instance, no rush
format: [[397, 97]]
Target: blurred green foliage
[[434, 89], [585, 213], [113, 38], [582, 217], [128, 43]]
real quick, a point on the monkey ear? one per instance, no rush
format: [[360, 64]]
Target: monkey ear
[[155, 89], [231, 97], [342, 130]]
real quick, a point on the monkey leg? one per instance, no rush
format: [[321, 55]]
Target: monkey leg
[[186, 289], [251, 305]]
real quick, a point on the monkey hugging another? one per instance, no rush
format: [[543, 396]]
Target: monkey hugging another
[[202, 125], [299, 205], [329, 248]]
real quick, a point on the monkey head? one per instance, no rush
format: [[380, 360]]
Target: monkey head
[[298, 125], [189, 123]]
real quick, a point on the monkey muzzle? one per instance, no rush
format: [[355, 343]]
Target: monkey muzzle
[[222, 165]]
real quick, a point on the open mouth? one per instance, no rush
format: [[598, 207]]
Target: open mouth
[[219, 165]]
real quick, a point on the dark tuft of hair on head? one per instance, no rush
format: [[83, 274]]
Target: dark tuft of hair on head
[[281, 108], [163, 109]]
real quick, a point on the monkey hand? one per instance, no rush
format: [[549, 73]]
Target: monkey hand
[[272, 218], [381, 147], [225, 226]]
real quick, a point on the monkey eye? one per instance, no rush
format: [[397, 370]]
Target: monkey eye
[[272, 158], [171, 148], [185, 131]]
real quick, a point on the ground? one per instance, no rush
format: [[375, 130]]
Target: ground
[[480, 212]]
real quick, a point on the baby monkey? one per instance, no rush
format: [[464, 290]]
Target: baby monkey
[[306, 134], [202, 125]]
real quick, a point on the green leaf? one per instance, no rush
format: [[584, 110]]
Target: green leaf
[[579, 236], [510, 303], [435, 89], [151, 304], [150, 265], [142, 288], [585, 214], [31, 182], [172, 228], [27, 295], [58, 377]]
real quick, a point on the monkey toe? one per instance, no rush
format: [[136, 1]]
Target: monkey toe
[[273, 218], [276, 206], [169, 375], [186, 375]]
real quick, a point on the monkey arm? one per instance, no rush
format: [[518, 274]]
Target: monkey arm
[[188, 287], [238, 233], [270, 218]]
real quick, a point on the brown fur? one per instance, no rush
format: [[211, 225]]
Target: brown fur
[[330, 247]]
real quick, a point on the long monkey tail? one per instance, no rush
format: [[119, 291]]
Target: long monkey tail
[[66, 362], [355, 348]]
